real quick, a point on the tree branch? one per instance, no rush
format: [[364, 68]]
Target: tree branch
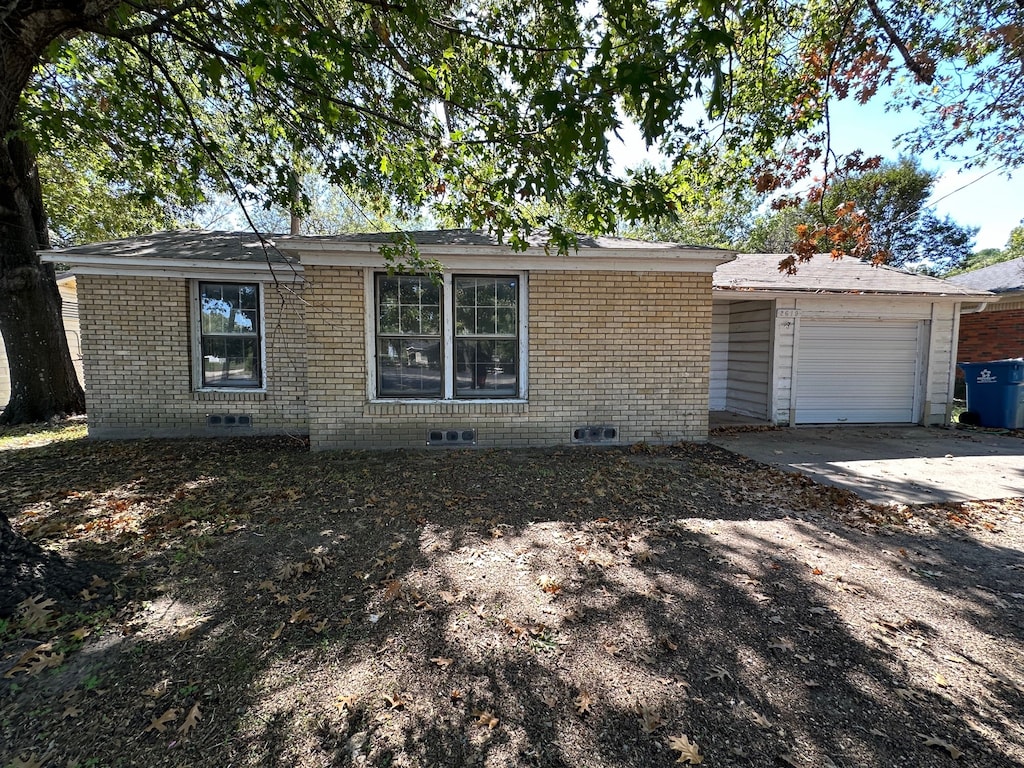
[[924, 74]]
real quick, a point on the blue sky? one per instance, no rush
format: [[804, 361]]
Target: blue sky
[[994, 203]]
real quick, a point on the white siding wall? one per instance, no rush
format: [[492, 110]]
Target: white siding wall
[[938, 398], [719, 355], [749, 358]]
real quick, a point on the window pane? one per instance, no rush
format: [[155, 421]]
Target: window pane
[[465, 321], [485, 322], [506, 321], [387, 290], [388, 318], [222, 310], [230, 361], [430, 319], [507, 293], [247, 296], [486, 368], [408, 367]]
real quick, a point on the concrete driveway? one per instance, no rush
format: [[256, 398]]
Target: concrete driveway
[[913, 465]]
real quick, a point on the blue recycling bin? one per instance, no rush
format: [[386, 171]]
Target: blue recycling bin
[[995, 392]]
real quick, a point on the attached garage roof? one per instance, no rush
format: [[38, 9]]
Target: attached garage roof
[[824, 275], [1005, 277]]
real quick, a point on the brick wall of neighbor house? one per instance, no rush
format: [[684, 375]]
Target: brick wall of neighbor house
[[137, 347], [625, 349], [991, 335]]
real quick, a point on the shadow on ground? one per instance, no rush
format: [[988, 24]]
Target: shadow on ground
[[539, 608]]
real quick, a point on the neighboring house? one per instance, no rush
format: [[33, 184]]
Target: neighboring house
[[69, 310], [189, 333], [997, 332], [840, 342]]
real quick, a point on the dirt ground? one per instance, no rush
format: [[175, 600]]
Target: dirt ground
[[258, 605]]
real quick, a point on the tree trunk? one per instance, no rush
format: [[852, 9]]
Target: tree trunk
[[44, 384]]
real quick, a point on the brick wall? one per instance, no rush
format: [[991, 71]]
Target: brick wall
[[628, 349], [991, 335], [136, 341]]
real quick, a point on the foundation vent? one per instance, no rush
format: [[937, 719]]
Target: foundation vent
[[595, 434], [228, 420], [453, 437]]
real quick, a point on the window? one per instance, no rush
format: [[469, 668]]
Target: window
[[229, 345], [459, 340]]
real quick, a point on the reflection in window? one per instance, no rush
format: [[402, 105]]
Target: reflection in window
[[486, 343], [408, 336], [229, 330], [412, 350]]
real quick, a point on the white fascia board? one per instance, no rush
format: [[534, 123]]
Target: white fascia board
[[492, 258], [176, 268], [741, 294]]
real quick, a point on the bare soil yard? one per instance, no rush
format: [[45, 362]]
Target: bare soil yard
[[257, 605]]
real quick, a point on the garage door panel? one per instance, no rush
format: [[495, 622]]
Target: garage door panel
[[857, 372]]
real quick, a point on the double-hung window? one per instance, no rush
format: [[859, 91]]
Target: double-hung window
[[460, 339], [228, 336]]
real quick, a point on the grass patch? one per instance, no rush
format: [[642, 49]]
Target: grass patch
[[38, 435]]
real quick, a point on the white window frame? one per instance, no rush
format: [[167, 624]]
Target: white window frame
[[197, 335], [447, 339]]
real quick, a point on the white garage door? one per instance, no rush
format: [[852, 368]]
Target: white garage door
[[857, 372]]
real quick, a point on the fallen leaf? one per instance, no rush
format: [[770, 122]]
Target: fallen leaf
[[88, 596], [455, 695], [71, 711], [717, 673], [449, 597], [650, 720], [191, 720], [688, 751], [29, 762], [782, 644], [278, 631], [392, 590], [395, 701], [160, 723], [320, 626], [486, 719], [36, 611], [549, 585], [301, 616], [157, 690], [583, 702], [942, 681], [442, 661], [81, 633], [612, 648], [267, 586], [935, 741], [304, 596], [760, 720], [346, 701]]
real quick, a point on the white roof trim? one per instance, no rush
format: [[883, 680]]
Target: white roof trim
[[763, 293], [490, 258], [176, 268]]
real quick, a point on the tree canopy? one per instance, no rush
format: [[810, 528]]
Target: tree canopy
[[485, 113], [893, 197]]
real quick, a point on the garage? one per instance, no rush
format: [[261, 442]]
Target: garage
[[840, 342], [857, 372]]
